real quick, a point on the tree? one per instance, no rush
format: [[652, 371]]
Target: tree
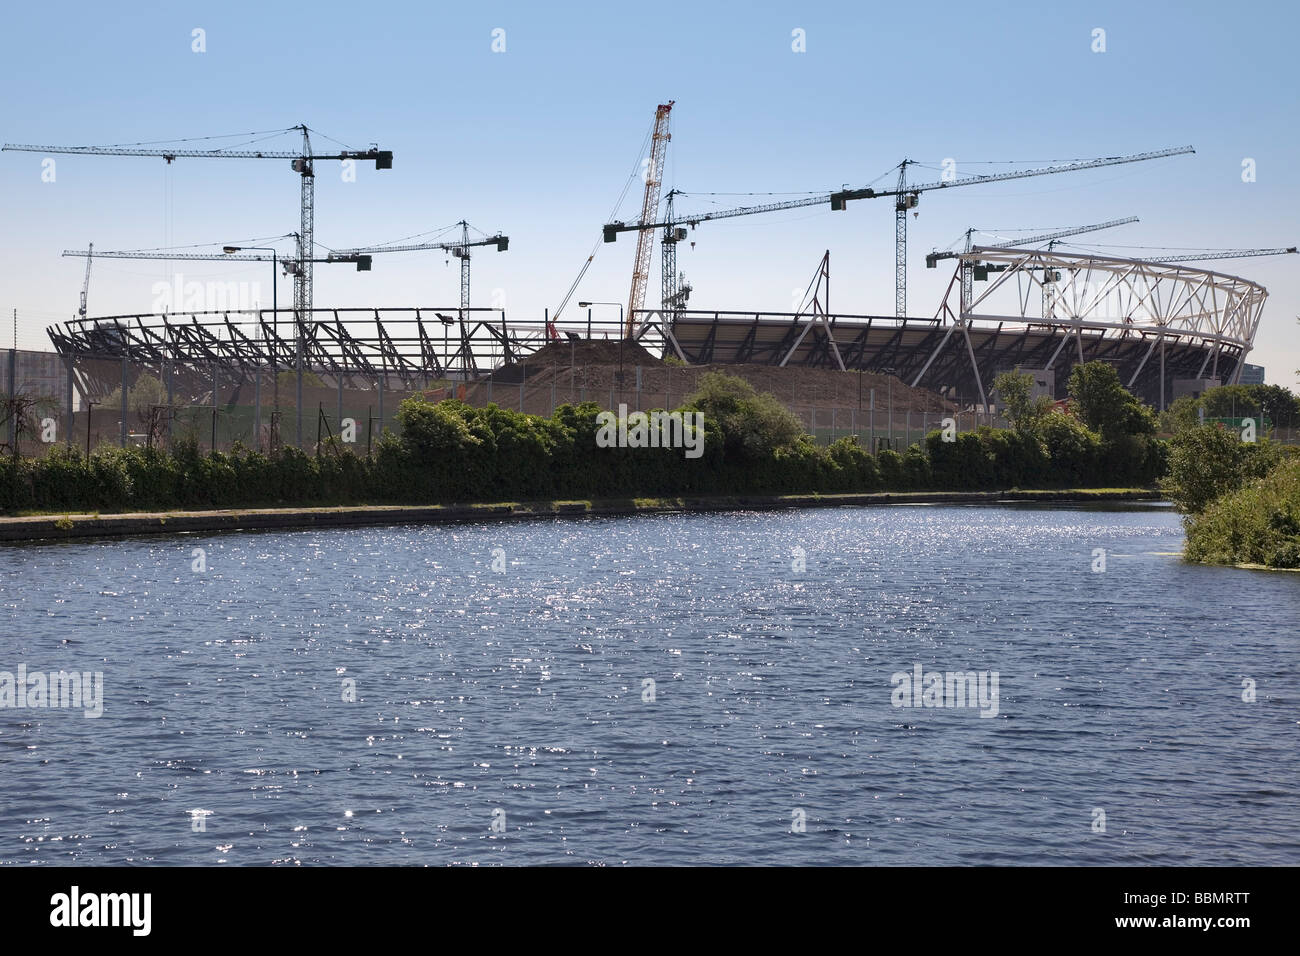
[[289, 380], [1209, 461], [754, 424], [145, 392], [1279, 405], [1015, 389], [1100, 401], [1180, 415], [1230, 401], [1072, 448]]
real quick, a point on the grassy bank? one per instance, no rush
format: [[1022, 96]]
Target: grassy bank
[[57, 527]]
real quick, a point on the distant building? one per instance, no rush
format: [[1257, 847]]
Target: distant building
[[1252, 374], [1044, 380], [42, 374], [1195, 387]]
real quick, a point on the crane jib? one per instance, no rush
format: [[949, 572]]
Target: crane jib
[[383, 158]]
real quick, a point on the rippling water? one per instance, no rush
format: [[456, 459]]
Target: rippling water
[[518, 698]]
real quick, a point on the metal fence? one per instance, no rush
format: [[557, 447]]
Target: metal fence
[[89, 401], [830, 404]]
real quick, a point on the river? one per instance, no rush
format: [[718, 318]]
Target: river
[[671, 689]]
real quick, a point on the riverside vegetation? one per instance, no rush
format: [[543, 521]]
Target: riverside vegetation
[[452, 452], [1240, 499]]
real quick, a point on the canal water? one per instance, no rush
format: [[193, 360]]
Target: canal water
[[720, 688]]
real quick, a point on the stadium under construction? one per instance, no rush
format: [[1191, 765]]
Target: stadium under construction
[[1036, 310], [1164, 324]]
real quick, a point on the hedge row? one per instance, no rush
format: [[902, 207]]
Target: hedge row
[[451, 452]]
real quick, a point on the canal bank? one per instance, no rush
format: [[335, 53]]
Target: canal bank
[[55, 527]]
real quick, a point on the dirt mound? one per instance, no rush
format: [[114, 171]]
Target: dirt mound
[[571, 371], [801, 387], [593, 352]]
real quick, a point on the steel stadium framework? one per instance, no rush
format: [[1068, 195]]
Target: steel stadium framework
[[1039, 310], [1044, 310]]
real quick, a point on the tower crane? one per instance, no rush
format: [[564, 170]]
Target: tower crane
[[1227, 254], [674, 290], [291, 266], [85, 283], [968, 269], [649, 206], [907, 197], [302, 162], [673, 297], [461, 251], [934, 257]]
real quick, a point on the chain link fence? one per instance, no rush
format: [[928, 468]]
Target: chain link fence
[[89, 401]]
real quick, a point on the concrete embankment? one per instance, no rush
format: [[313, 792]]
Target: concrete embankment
[[55, 527]]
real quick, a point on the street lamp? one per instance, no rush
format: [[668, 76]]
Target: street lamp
[[275, 255], [275, 336], [891, 372], [586, 305]]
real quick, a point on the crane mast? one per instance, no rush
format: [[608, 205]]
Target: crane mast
[[672, 292], [649, 206], [85, 284], [302, 286], [903, 201], [462, 253]]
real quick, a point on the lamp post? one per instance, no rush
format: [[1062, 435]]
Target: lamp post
[[587, 305], [90, 414], [891, 372], [275, 333], [621, 340]]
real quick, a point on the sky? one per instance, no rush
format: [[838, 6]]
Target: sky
[[538, 140]]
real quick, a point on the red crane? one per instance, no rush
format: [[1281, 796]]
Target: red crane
[[649, 207]]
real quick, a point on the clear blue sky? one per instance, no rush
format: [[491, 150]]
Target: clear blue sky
[[538, 141]]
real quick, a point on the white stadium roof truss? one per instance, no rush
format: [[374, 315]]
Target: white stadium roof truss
[[1108, 297]]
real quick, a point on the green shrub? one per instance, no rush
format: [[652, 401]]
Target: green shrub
[[1207, 462], [1256, 523], [754, 424], [858, 471], [892, 475], [1072, 448]]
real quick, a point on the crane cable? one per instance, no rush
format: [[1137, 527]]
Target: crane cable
[[636, 169]]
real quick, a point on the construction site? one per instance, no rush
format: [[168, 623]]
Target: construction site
[[307, 372]]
